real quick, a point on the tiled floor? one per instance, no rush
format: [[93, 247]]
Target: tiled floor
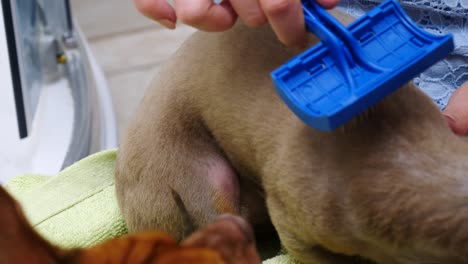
[[128, 46]]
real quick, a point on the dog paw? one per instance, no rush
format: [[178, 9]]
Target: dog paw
[[231, 236]]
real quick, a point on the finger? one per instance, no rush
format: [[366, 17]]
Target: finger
[[287, 20], [205, 15], [456, 112], [250, 12], [158, 10], [327, 4]]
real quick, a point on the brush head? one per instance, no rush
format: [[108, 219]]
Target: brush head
[[315, 89]]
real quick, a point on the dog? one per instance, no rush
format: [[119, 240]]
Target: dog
[[228, 240], [212, 137]]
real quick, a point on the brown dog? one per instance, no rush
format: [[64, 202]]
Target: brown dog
[[211, 137], [229, 240]]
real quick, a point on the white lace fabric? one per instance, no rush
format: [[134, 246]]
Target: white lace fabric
[[438, 17]]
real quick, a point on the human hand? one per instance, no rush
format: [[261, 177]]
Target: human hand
[[285, 16], [456, 111]]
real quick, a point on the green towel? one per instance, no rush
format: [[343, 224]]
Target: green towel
[[78, 208]]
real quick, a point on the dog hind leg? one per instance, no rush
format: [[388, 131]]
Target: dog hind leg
[[175, 180]]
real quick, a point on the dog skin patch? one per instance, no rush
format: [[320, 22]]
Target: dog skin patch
[[226, 185]]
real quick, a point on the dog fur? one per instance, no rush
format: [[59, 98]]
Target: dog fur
[[211, 136]]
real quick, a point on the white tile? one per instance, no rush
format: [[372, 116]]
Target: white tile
[[128, 47], [127, 90], [104, 17], [122, 52]]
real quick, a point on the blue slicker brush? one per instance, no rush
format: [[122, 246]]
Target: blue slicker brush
[[354, 67]]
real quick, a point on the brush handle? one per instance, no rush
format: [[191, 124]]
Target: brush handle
[[346, 49], [334, 27], [316, 24]]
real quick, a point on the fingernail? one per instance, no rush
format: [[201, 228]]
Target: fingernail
[[454, 126], [448, 118], [167, 23]]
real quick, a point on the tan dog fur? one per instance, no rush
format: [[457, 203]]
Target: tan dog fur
[[211, 136]]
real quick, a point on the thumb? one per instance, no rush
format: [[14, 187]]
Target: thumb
[[159, 10], [327, 4], [456, 112]]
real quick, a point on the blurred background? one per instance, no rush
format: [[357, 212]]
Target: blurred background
[[76, 73], [128, 46]]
